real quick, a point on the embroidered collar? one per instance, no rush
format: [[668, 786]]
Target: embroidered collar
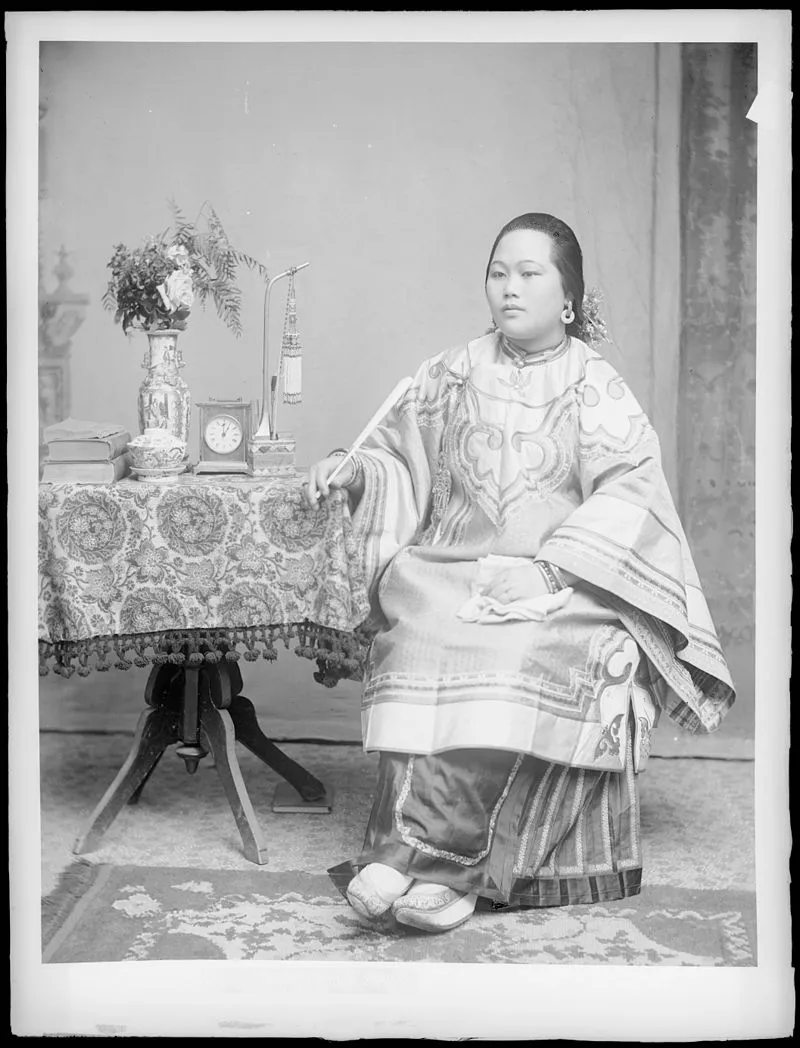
[[520, 359]]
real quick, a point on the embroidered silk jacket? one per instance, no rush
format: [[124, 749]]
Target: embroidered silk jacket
[[554, 460]]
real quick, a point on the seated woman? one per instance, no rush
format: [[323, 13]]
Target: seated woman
[[535, 607]]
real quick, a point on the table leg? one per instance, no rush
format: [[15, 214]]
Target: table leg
[[225, 683], [164, 688], [217, 730], [194, 706], [190, 749], [137, 793], [157, 729], [249, 733]]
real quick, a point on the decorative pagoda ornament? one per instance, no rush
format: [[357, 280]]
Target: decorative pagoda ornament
[[272, 453]]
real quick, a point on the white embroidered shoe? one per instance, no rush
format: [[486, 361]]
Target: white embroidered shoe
[[372, 891], [434, 907]]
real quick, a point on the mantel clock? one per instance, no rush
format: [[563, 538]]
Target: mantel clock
[[225, 430]]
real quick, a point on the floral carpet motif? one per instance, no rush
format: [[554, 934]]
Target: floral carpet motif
[[132, 913]]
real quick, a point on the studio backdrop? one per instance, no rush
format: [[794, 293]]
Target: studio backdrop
[[390, 168]]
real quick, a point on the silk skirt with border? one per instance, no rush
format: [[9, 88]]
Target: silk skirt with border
[[514, 829]]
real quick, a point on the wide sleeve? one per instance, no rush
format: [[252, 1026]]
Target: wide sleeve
[[626, 540], [398, 461]]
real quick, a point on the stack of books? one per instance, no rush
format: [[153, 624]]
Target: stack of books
[[85, 453]]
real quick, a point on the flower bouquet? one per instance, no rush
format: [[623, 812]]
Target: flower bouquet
[[154, 287]]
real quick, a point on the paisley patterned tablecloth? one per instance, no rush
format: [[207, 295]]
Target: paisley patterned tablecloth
[[134, 572]]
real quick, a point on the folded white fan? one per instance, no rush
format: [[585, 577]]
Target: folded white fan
[[378, 417]]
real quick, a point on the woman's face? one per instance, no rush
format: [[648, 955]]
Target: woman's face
[[524, 289]]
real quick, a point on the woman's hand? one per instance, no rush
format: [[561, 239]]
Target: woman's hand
[[518, 583], [318, 484]]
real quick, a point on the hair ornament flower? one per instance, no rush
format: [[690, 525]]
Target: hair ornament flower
[[594, 330]]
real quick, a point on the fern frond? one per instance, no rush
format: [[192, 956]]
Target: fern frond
[[228, 265], [214, 256], [214, 222], [203, 206], [225, 292], [251, 263], [177, 213], [227, 301]]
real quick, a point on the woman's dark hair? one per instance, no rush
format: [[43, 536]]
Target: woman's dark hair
[[565, 253]]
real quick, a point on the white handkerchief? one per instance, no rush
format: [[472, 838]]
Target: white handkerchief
[[480, 608]]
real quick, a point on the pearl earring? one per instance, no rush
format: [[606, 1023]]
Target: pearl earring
[[567, 314]]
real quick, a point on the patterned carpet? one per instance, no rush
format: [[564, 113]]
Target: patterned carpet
[[134, 913]]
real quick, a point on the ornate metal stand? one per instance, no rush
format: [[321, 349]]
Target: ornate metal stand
[[268, 453], [202, 709]]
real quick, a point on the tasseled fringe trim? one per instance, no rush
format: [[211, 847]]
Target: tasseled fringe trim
[[339, 654]]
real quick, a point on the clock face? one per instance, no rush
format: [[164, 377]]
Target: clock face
[[223, 434]]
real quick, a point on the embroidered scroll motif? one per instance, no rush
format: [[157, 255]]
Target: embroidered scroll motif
[[503, 460], [609, 432], [442, 486], [610, 738], [645, 739]]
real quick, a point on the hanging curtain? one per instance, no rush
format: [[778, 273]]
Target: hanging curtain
[[718, 346]]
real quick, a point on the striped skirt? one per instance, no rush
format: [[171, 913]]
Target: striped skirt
[[514, 829]]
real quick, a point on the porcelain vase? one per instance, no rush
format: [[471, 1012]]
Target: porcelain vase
[[164, 399]]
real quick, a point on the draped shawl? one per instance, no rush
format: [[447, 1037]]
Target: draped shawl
[[557, 461]]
